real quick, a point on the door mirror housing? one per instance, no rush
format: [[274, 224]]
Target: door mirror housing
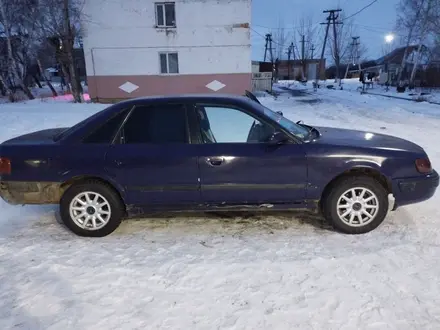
[[278, 138]]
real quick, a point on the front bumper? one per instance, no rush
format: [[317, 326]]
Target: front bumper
[[24, 192], [415, 190]]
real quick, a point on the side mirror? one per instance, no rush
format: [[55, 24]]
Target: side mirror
[[280, 113], [278, 138]]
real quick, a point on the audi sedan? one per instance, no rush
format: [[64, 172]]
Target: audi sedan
[[211, 152]]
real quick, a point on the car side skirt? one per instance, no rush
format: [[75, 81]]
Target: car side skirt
[[134, 211], [25, 192]]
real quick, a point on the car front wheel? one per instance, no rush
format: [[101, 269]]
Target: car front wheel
[[91, 209], [356, 205]]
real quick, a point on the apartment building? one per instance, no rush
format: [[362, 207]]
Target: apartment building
[[140, 48]]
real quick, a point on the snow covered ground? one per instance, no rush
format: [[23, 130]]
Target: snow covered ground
[[208, 272], [353, 85]]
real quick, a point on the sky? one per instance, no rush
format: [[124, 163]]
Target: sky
[[372, 24]]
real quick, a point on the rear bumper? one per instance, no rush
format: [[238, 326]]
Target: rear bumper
[[24, 192], [415, 190]]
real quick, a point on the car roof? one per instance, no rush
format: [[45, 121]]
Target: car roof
[[129, 103], [206, 97]]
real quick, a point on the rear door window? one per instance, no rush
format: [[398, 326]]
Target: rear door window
[[156, 124]]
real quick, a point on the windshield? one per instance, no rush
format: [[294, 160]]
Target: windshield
[[295, 129]]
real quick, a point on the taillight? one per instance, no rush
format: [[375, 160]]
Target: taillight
[[5, 166], [423, 165]]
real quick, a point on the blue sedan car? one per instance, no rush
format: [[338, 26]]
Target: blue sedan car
[[211, 152]]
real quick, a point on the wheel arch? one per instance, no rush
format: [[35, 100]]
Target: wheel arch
[[359, 171], [85, 178]]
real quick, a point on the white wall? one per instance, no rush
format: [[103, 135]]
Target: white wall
[[121, 38]]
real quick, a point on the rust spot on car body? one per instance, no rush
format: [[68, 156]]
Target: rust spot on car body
[[25, 192]]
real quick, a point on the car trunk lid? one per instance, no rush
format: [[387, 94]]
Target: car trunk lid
[[39, 137]]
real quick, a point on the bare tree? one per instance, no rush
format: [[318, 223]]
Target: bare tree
[[420, 19], [304, 39], [435, 22], [408, 20], [43, 51], [12, 14], [307, 29], [59, 21], [28, 25], [425, 27], [280, 39], [69, 40]]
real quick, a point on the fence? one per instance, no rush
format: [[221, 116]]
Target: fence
[[262, 81]]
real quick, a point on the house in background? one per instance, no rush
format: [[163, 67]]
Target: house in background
[[140, 48], [387, 67], [293, 69]]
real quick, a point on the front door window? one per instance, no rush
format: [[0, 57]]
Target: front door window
[[229, 125]]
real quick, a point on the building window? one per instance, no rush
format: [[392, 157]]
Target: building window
[[169, 63], [165, 14]]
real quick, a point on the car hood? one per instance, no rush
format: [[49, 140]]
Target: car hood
[[354, 138], [38, 137]]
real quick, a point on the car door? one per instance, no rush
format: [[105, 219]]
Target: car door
[[239, 166], [153, 158]]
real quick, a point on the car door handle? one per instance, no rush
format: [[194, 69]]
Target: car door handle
[[215, 161]]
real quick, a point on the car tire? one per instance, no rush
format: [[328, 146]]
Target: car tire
[[91, 209], [352, 213]]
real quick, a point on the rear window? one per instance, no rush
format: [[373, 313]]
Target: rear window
[[106, 132]]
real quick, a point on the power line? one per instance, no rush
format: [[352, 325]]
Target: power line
[[378, 30], [284, 28], [273, 41], [367, 27], [316, 24], [360, 10]]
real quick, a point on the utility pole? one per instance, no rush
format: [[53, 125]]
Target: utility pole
[[357, 52], [289, 54], [313, 51], [335, 37], [303, 55], [268, 47], [354, 55], [331, 17]]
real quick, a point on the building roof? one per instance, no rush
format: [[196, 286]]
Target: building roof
[[396, 55]]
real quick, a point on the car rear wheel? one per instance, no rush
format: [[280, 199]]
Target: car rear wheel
[[356, 205], [91, 209]]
